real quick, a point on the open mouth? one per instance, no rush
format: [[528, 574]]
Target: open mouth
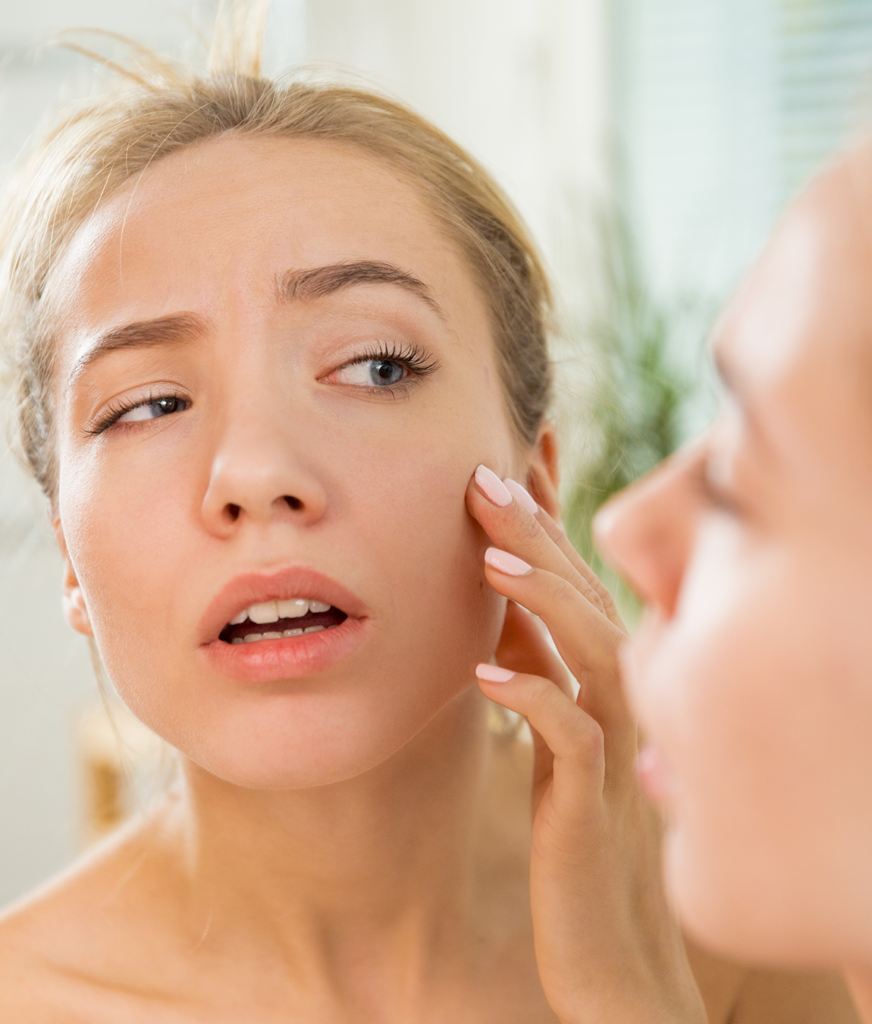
[[275, 620]]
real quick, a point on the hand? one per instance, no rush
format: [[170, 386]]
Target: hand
[[607, 945]]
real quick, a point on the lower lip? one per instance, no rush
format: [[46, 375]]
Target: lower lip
[[653, 775], [292, 657]]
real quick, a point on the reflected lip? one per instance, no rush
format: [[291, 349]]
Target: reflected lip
[[281, 585], [654, 776]]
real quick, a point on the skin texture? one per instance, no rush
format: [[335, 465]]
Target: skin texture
[[752, 550], [353, 843]]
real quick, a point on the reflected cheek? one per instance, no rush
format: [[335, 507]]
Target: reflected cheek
[[712, 697]]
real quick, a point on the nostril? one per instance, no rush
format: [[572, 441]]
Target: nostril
[[293, 502], [233, 511]]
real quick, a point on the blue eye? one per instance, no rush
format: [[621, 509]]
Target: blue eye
[[386, 371], [372, 373], [383, 366]]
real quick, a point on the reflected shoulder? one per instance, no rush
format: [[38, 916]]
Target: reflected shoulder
[[794, 997], [738, 994]]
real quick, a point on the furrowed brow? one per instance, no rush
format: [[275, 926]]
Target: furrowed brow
[[164, 331], [306, 285]]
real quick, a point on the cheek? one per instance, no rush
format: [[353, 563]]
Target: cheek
[[411, 526], [127, 526], [740, 691], [713, 693]]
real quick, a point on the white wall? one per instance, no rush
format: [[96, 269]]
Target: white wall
[[519, 82]]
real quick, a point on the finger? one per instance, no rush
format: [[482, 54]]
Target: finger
[[574, 739], [524, 647], [558, 536], [512, 527], [585, 639]]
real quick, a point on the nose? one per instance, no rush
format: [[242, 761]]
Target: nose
[[262, 470], [646, 532]]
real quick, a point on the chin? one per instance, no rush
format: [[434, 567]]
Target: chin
[[761, 919], [299, 741]]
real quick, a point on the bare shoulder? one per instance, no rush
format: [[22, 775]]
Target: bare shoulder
[[57, 954], [737, 994]]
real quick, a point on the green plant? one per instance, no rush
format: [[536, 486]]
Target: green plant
[[638, 391]]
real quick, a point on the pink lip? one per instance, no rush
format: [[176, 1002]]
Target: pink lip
[[290, 657]]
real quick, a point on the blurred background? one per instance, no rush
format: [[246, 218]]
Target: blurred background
[[650, 145]]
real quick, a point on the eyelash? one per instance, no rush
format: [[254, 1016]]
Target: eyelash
[[117, 409], [713, 496], [411, 357]]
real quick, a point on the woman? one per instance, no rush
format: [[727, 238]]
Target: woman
[[268, 342], [751, 548]]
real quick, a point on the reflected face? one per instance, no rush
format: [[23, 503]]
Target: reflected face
[[752, 671], [275, 377]]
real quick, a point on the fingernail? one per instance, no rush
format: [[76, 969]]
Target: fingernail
[[493, 673], [521, 495], [492, 487], [506, 563]]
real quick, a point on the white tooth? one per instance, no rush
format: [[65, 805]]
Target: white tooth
[[241, 617], [251, 637], [292, 609], [293, 632], [237, 640], [271, 636], [319, 606], [266, 611], [313, 629]]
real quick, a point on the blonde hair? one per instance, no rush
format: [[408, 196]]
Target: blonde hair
[[165, 108]]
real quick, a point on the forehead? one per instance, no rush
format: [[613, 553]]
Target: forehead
[[798, 336], [221, 220]]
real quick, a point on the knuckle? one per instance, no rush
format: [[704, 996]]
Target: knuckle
[[560, 590], [524, 526]]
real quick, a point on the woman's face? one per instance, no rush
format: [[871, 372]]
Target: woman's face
[[752, 671], [275, 376]]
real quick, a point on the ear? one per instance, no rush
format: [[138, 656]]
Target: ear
[[543, 472], [75, 610]]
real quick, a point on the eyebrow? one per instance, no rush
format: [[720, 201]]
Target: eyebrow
[[307, 285], [163, 331], [294, 285]]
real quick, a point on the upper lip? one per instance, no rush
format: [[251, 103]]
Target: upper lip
[[281, 585]]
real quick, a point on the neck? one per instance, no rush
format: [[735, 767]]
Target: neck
[[390, 864]]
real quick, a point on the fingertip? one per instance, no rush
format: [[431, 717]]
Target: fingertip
[[492, 487], [493, 673], [521, 495], [507, 563]]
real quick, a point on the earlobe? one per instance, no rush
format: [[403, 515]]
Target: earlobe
[[73, 601], [543, 473]]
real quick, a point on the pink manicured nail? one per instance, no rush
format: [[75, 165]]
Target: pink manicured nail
[[493, 673], [521, 495], [492, 487], [506, 563]]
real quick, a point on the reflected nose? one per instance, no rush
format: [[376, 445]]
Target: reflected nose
[[259, 474], [646, 532]]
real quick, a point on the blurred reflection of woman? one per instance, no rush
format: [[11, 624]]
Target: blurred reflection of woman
[[267, 340], [753, 671]]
